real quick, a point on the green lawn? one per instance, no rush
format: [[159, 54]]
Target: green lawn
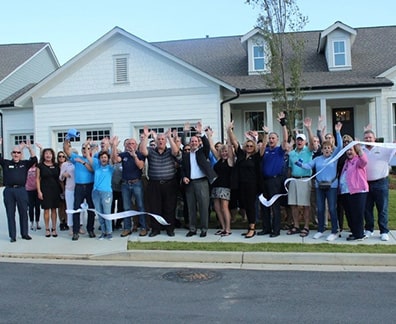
[[277, 247]]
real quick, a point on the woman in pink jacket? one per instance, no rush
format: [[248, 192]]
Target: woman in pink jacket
[[353, 188]]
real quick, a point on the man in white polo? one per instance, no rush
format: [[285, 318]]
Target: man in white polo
[[377, 177]]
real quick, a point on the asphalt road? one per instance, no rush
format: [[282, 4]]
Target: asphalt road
[[44, 293]]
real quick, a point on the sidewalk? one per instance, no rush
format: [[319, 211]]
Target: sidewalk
[[85, 248]]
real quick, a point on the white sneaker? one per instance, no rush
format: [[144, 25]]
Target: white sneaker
[[318, 235], [384, 237], [331, 237], [368, 234]]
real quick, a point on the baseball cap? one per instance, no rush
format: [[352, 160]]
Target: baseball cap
[[301, 136]]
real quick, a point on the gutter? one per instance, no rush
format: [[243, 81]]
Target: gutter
[[238, 93]]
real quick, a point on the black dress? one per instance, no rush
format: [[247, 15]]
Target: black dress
[[50, 187]]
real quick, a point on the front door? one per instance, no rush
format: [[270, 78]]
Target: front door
[[345, 116]]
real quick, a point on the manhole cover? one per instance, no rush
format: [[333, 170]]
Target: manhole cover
[[191, 276]]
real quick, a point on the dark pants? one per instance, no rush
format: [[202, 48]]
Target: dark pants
[[247, 198], [16, 198], [272, 215], [34, 206], [162, 199], [81, 192], [354, 206]]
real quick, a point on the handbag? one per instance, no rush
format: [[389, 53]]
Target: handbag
[[325, 185]]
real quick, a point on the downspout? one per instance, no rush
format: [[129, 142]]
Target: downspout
[[238, 93]]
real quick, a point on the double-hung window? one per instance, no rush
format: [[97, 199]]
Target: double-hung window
[[339, 53]]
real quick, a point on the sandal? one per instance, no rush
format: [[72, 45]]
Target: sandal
[[226, 234], [47, 232], [293, 230], [219, 232], [304, 232], [54, 234], [250, 233]]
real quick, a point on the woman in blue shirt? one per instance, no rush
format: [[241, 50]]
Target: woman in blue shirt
[[102, 193], [328, 174]]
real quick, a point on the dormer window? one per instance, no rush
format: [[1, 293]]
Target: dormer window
[[257, 52], [339, 53], [258, 57], [336, 44]]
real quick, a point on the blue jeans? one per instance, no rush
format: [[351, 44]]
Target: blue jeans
[[102, 201], [378, 195], [129, 191], [331, 196]]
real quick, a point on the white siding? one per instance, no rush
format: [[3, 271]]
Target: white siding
[[160, 93], [148, 71], [22, 123]]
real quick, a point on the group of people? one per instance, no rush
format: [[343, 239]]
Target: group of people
[[149, 176]]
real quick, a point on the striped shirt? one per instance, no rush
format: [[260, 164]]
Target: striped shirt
[[161, 166]]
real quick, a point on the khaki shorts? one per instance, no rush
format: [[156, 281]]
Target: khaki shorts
[[299, 193]]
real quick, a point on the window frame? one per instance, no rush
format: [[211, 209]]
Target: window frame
[[259, 129], [257, 58], [337, 53]]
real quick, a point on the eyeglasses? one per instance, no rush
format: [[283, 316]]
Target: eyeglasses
[[16, 152]]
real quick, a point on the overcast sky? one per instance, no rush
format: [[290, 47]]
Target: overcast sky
[[70, 26]]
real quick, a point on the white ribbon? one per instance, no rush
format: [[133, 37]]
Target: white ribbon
[[128, 213], [268, 203]]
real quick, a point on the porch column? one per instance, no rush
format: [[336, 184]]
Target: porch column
[[324, 113], [374, 116], [270, 116]]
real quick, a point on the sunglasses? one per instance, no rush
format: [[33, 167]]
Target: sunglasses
[[346, 142], [85, 148], [187, 150], [61, 156], [249, 146], [16, 152]]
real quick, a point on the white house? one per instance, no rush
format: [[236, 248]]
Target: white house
[[121, 83]]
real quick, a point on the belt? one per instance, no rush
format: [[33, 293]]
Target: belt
[[162, 181], [378, 180], [131, 181], [271, 177], [300, 177], [14, 186], [199, 179]]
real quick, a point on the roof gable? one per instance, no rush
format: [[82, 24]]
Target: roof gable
[[12, 56], [103, 42], [337, 25]]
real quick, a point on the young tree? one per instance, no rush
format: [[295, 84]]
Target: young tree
[[280, 21]]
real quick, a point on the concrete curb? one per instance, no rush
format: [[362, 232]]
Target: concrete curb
[[344, 259]]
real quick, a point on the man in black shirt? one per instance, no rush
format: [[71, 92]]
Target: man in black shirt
[[14, 178]]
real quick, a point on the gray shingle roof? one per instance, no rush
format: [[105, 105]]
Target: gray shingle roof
[[9, 101], [13, 55], [225, 58]]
